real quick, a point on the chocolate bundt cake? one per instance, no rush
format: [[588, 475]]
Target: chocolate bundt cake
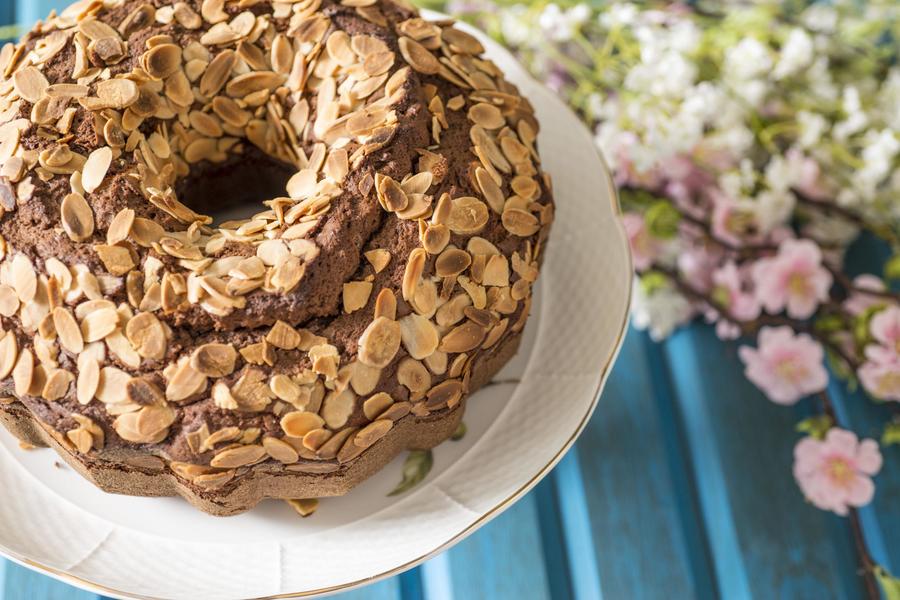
[[386, 274]]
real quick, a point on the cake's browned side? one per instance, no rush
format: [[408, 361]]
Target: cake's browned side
[[402, 219], [129, 476]]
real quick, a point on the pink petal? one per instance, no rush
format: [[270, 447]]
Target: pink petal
[[861, 491], [868, 457]]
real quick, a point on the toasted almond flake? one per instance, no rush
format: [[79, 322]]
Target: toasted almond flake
[[337, 408], [418, 57], [162, 61], [116, 259], [356, 295], [23, 372], [298, 424], [379, 342], [413, 374], [519, 222], [144, 392], [9, 352], [391, 195], [443, 394], [77, 217], [68, 330], [214, 360], [379, 259], [98, 324], [117, 93], [415, 267], [462, 338], [419, 336], [147, 336], [451, 262], [120, 226], [282, 54], [30, 84], [280, 450], [95, 168], [376, 405], [82, 439], [24, 279], [57, 385], [9, 301], [184, 382], [241, 456], [213, 11], [468, 215], [283, 336], [111, 386], [305, 506], [373, 432], [490, 190], [486, 115]]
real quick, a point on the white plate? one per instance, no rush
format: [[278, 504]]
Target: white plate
[[56, 522]]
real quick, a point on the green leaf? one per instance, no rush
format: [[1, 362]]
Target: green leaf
[[890, 586], [417, 466], [816, 426], [662, 220], [652, 281], [891, 434], [460, 432], [829, 323], [892, 268]]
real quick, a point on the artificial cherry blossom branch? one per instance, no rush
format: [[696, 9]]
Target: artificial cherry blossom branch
[[750, 328], [867, 564]]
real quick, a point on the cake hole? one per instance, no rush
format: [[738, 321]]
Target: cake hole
[[237, 188]]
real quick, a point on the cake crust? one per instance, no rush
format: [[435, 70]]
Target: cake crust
[[402, 219]]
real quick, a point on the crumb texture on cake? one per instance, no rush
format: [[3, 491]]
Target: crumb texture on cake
[[387, 272]]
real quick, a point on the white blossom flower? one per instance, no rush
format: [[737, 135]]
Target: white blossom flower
[[514, 25], [560, 24], [820, 17], [747, 59], [856, 119], [878, 157], [618, 15], [796, 53], [773, 208], [812, 126], [660, 312]]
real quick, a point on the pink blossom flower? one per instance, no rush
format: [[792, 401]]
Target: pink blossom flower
[[732, 223], [859, 301], [786, 367], [808, 178], [644, 247], [729, 291], [880, 374], [697, 263], [684, 179], [794, 279], [836, 473], [885, 328]]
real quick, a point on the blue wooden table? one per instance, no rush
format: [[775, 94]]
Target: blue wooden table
[[680, 487]]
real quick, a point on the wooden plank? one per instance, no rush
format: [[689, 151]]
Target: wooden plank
[[881, 519], [504, 559], [553, 543], [24, 584], [437, 582], [766, 541], [642, 546], [576, 524], [388, 589]]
